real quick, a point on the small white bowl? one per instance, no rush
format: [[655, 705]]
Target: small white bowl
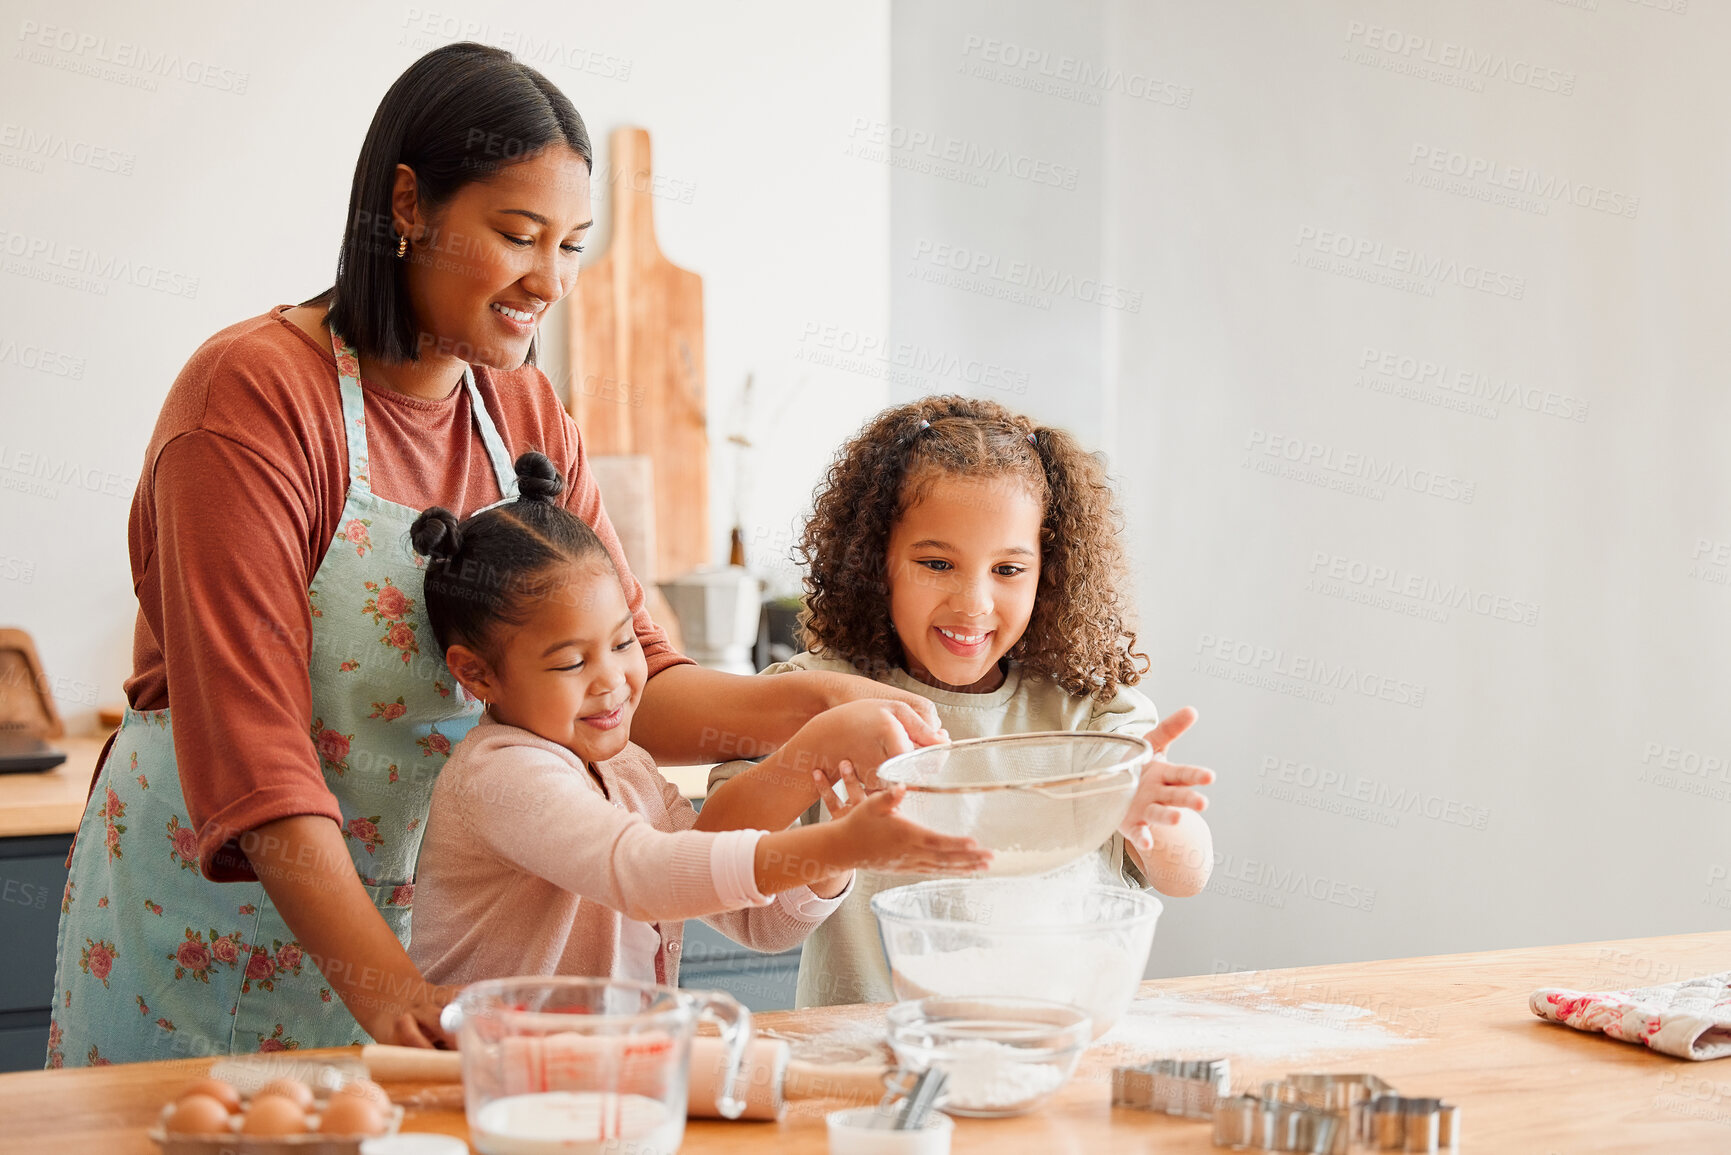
[[861, 1131]]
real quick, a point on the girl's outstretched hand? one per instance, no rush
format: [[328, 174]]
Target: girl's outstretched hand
[[877, 838], [1166, 787]]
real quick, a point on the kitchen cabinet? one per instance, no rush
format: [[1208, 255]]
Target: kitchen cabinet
[[714, 962], [32, 878]]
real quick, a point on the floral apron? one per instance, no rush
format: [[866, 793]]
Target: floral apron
[[155, 960]]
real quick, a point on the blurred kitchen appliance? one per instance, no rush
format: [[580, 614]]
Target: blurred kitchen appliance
[[718, 612]]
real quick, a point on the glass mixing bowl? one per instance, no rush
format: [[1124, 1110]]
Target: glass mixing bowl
[[1062, 941], [1002, 1056], [1037, 801]]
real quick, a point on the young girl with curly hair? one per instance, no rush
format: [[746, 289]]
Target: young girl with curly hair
[[960, 551]]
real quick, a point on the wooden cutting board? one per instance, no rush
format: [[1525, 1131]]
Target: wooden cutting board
[[637, 381]]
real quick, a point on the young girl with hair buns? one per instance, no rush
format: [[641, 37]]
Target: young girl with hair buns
[[553, 845], [959, 551]]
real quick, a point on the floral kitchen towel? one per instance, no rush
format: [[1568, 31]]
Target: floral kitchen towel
[[1690, 1019]]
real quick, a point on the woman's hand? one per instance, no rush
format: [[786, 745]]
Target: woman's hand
[[690, 715], [862, 732], [416, 1022], [840, 689], [1165, 790], [305, 868]]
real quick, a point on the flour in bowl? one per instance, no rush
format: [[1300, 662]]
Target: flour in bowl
[[989, 1076]]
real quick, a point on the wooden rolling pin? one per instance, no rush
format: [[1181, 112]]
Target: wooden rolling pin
[[771, 1076]]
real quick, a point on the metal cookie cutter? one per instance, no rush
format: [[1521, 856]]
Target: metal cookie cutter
[[1349, 1096], [1184, 1087], [1248, 1121], [1334, 1115], [1421, 1125]]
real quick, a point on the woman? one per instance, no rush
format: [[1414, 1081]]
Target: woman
[[243, 875]]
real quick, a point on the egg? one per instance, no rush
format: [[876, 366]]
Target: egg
[[350, 1115], [289, 1089], [368, 1090], [222, 1092], [274, 1115], [198, 1115]]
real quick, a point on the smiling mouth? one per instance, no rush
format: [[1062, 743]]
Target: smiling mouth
[[521, 316], [963, 644], [605, 721]]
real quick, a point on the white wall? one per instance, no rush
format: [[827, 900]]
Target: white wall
[[225, 170], [996, 193], [1521, 794]]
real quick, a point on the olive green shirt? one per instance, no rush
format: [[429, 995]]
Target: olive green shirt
[[843, 960]]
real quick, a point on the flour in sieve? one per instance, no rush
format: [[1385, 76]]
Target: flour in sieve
[[1015, 861], [988, 1076]]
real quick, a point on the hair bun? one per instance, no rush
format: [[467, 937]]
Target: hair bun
[[435, 535], [538, 479]]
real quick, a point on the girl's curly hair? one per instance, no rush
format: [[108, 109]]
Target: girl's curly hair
[[1079, 634]]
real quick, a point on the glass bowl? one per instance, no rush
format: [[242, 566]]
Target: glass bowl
[[1037, 801], [1002, 1056], [1038, 938]]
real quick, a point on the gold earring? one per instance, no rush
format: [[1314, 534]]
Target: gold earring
[[402, 245]]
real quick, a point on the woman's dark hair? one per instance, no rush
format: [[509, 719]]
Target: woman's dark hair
[[459, 114], [1079, 635], [484, 570]]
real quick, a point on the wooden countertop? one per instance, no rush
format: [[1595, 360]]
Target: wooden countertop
[[1523, 1086], [52, 801]]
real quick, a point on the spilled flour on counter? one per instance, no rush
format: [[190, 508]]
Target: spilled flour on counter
[[1178, 1026]]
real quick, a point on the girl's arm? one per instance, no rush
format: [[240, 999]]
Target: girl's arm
[[866, 833], [305, 868], [692, 715], [819, 858], [546, 821], [775, 792], [1181, 858]]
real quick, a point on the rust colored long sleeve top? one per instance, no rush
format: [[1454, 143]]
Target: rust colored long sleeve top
[[242, 487]]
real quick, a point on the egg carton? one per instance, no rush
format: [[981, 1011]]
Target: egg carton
[[248, 1074], [235, 1143]]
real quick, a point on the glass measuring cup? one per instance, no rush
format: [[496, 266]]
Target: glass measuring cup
[[586, 1066]]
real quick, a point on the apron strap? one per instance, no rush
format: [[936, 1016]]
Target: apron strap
[[503, 467], [354, 411], [355, 423]]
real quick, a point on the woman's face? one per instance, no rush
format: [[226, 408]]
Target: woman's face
[[485, 267]]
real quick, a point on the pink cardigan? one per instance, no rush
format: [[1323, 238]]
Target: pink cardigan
[[527, 868]]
